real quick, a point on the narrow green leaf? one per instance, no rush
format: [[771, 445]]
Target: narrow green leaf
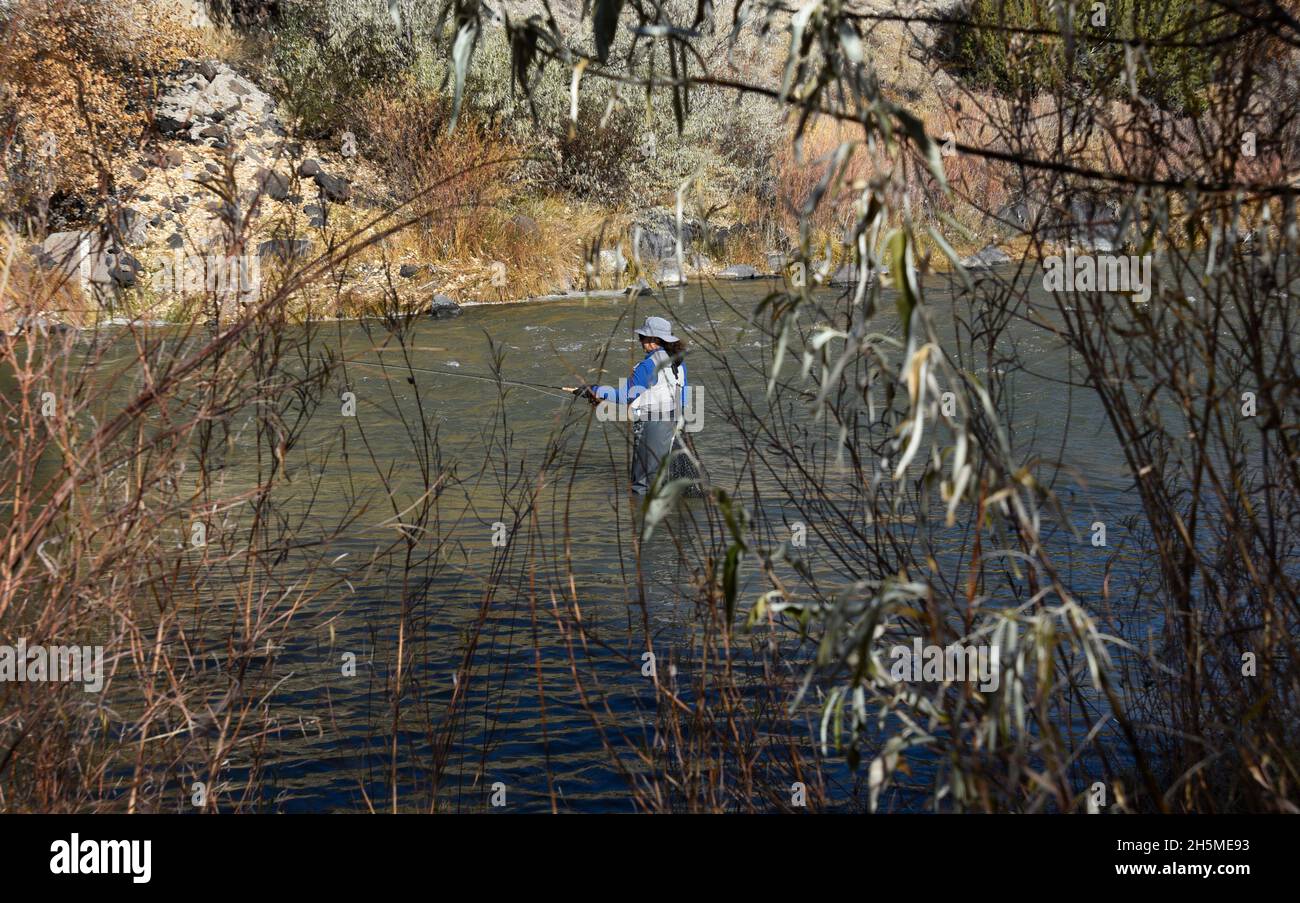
[[730, 580], [898, 268]]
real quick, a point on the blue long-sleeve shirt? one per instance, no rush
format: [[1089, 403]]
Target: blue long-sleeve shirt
[[643, 377]]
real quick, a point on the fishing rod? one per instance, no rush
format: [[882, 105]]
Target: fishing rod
[[540, 387]]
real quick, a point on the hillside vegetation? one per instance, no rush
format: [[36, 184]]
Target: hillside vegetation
[[548, 166]]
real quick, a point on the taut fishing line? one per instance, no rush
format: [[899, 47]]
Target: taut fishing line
[[538, 387]]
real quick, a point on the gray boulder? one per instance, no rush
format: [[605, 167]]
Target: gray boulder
[[64, 251], [778, 261], [87, 256], [211, 93], [654, 233], [986, 257], [739, 271], [123, 269], [443, 308]]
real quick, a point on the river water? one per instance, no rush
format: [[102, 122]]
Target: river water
[[533, 467]]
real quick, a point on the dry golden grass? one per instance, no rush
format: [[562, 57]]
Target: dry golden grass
[[31, 294], [484, 238], [69, 68]]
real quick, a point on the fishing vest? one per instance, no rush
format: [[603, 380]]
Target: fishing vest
[[661, 400]]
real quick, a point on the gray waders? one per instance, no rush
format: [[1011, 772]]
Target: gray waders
[[652, 440]]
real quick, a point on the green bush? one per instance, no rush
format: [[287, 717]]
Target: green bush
[[1175, 78], [326, 57], [608, 157], [329, 57]]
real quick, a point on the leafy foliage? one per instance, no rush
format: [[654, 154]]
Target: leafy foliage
[[1035, 46]]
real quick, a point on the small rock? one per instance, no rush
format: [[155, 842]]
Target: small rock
[[285, 248], [129, 225], [125, 271], [273, 183], [333, 188], [408, 270], [443, 308], [175, 241], [308, 168], [208, 70], [169, 125]]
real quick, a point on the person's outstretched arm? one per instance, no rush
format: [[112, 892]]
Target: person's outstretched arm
[[641, 379]]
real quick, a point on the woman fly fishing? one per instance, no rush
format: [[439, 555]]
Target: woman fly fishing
[[656, 398]]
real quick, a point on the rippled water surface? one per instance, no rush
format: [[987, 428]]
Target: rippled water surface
[[525, 726]]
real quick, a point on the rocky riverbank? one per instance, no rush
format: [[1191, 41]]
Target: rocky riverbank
[[219, 175]]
